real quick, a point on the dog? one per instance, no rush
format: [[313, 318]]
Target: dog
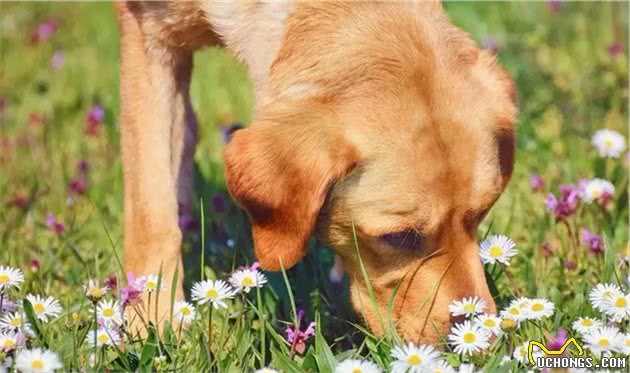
[[380, 127]]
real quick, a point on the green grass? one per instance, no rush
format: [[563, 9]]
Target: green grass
[[569, 86]]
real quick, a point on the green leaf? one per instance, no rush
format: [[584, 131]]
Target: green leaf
[[149, 351]]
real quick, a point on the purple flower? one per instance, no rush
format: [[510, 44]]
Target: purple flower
[[111, 282], [296, 337], [77, 186], [57, 60], [565, 205], [94, 119], [132, 294], [537, 182], [558, 341], [188, 223], [592, 241], [615, 49], [35, 265], [20, 201], [555, 6], [44, 31], [570, 265], [218, 203], [83, 166], [491, 44], [53, 224]]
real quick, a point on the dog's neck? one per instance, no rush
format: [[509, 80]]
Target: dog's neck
[[253, 31]]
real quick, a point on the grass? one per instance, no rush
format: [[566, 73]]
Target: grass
[[571, 82]]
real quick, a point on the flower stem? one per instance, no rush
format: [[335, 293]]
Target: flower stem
[[210, 328]]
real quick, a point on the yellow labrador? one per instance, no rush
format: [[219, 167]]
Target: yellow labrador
[[378, 117]]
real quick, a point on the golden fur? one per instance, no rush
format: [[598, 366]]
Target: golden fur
[[371, 117]]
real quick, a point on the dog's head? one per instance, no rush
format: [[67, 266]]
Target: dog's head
[[391, 132]]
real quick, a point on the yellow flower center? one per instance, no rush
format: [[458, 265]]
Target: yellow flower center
[[587, 322], [151, 285], [508, 324], [495, 251], [247, 281], [469, 307], [95, 292], [489, 323], [8, 344], [470, 337], [108, 312], [596, 193], [628, 342], [607, 294], [4, 279], [414, 360], [185, 311], [537, 307], [16, 321], [103, 338], [620, 302], [603, 342], [514, 311], [37, 364], [608, 143], [357, 370], [212, 293], [39, 308]]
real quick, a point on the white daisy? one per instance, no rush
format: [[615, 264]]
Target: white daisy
[[609, 143], [624, 345], [357, 366], [585, 325], [15, 322], [413, 359], [515, 311], [246, 279], [617, 307], [151, 283], [602, 293], [10, 277], [491, 323], [468, 338], [94, 291], [8, 341], [467, 368], [103, 336], [266, 370], [521, 353], [44, 308], [538, 308], [37, 361], [596, 189], [604, 339], [110, 312], [498, 248], [184, 312], [214, 292], [467, 306], [440, 367]]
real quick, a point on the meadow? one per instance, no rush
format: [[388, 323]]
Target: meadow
[[565, 210]]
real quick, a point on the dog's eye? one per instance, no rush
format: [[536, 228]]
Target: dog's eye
[[409, 239]]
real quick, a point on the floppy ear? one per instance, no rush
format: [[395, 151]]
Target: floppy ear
[[280, 170]]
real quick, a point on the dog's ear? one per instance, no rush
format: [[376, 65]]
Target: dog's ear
[[280, 170]]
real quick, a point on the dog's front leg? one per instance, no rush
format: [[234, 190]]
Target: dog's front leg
[[155, 116]]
